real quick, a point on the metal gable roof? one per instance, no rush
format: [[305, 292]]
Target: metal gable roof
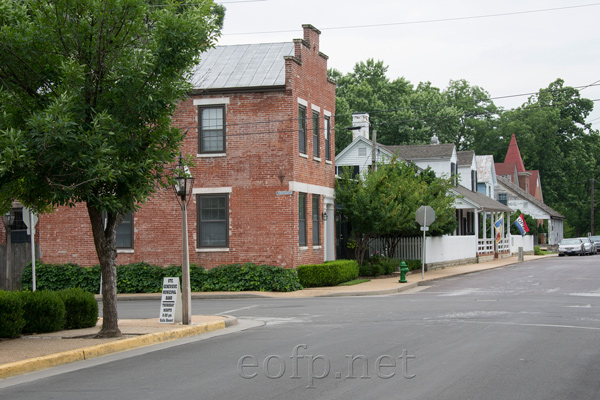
[[485, 203], [417, 152], [525, 195], [465, 157], [242, 66]]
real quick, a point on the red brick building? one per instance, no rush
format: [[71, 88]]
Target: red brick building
[[260, 127]]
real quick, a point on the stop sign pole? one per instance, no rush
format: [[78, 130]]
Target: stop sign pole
[[425, 216]]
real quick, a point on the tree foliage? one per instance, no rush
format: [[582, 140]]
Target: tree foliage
[[550, 127], [87, 90], [382, 203]]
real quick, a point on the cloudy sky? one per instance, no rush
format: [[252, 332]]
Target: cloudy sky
[[509, 48]]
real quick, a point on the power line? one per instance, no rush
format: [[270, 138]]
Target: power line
[[429, 21]]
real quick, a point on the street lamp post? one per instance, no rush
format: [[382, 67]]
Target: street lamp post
[[8, 219], [184, 182]]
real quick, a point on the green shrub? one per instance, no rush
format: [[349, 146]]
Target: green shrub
[[44, 311], [81, 308], [413, 264], [239, 277], [146, 278], [328, 274], [139, 278], [12, 318]]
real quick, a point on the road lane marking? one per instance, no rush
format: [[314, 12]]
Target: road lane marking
[[238, 309]]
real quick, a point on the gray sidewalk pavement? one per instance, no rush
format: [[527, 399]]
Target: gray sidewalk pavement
[[33, 353]]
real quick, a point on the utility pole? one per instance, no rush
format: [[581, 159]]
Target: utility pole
[[592, 216]]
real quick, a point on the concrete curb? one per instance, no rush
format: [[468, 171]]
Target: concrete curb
[[86, 353], [381, 292]]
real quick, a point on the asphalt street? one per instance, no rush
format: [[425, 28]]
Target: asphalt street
[[527, 331]]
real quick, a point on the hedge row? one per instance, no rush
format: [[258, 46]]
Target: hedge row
[[385, 266], [146, 278], [44, 311], [330, 273]]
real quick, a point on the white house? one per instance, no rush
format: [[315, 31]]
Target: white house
[[519, 199]]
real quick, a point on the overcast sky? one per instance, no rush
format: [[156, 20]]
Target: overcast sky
[[508, 47]]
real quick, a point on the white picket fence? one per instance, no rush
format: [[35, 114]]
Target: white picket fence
[[409, 248], [441, 249]]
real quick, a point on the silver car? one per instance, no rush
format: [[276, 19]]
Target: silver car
[[596, 240], [571, 247], [589, 247]]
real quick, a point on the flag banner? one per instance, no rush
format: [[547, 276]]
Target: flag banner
[[499, 225], [521, 225]]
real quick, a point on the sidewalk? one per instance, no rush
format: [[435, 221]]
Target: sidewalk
[[33, 353]]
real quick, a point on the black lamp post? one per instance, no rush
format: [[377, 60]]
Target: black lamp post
[[8, 219], [184, 182]]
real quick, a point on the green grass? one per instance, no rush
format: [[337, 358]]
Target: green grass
[[354, 282]]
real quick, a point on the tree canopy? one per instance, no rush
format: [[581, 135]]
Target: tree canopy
[[381, 204], [87, 90], [550, 128]]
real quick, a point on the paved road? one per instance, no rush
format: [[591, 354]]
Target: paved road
[[522, 332]]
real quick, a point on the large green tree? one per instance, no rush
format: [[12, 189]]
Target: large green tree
[[382, 204], [555, 139], [87, 90]]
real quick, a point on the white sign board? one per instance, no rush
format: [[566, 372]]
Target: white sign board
[[29, 219], [170, 303]]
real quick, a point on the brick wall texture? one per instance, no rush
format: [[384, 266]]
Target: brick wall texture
[[261, 159]]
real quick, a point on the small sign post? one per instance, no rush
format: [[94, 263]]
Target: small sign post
[[425, 216], [30, 219], [170, 303]]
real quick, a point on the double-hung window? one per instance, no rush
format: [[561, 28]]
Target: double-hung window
[[502, 198], [327, 131], [315, 122], [213, 220], [302, 129], [125, 233], [302, 219], [315, 219], [211, 129]]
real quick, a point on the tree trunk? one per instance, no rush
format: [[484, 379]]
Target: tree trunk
[[105, 240]]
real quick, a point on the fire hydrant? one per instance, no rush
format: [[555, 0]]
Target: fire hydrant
[[403, 271]]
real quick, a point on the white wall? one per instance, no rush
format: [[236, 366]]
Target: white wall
[[516, 241], [441, 168], [450, 248]]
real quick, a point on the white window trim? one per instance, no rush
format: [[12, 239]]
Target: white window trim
[[315, 108], [303, 155], [303, 102], [215, 190], [319, 247], [328, 162], [327, 113], [213, 250], [125, 251], [317, 159], [211, 155], [311, 189], [211, 101]]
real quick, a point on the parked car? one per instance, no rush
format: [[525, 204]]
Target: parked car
[[571, 247], [589, 247], [596, 240]]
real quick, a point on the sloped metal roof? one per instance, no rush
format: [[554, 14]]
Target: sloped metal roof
[[242, 66], [417, 152], [525, 195], [465, 157], [485, 203]]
